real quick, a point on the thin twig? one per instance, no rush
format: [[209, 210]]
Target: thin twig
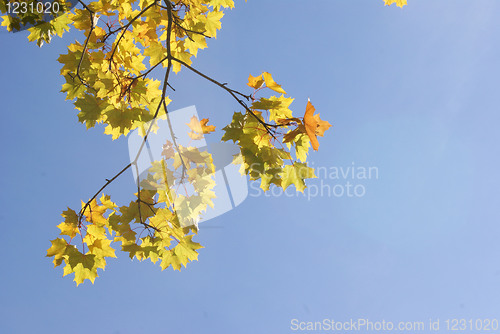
[[82, 211], [92, 26], [233, 93], [138, 193]]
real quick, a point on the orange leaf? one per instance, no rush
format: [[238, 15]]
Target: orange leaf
[[199, 128], [311, 124], [314, 125], [168, 150], [206, 128], [322, 125]]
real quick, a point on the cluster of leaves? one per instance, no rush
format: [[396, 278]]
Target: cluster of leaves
[[108, 76], [264, 155], [43, 19], [184, 178], [399, 3], [168, 216], [104, 222]]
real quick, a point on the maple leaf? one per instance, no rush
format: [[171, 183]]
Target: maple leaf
[[102, 248], [199, 128], [322, 126], [170, 259], [295, 174], [57, 250], [109, 83], [156, 52], [43, 32], [95, 232], [270, 176], [277, 106], [73, 89], [106, 202], [83, 265], [290, 135], [195, 43], [234, 130], [302, 144], [266, 104], [186, 250], [270, 83], [314, 125], [9, 22], [94, 213], [399, 3], [255, 82], [212, 22], [222, 3], [83, 272], [168, 150], [70, 225], [91, 109]]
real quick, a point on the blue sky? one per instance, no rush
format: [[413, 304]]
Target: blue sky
[[412, 92]]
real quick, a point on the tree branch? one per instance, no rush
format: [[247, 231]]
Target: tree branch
[[82, 211], [125, 27], [233, 93]]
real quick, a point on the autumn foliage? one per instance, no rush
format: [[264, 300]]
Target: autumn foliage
[[108, 76]]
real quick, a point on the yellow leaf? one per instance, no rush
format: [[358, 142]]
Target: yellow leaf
[[70, 225], [82, 273], [270, 83], [102, 248], [255, 82], [212, 22], [57, 250], [296, 174], [217, 4], [194, 43], [399, 3], [106, 201]]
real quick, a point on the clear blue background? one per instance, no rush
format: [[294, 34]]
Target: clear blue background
[[412, 91]]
